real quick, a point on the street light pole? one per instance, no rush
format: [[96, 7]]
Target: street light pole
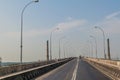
[[51, 42], [21, 42], [90, 48], [60, 46], [64, 48], [95, 43], [103, 39], [51, 46]]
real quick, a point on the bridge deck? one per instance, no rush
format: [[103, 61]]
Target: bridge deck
[[74, 70]]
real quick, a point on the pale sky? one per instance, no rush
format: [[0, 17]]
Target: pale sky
[[74, 18]]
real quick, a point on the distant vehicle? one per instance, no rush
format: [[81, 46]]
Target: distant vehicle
[[80, 57]]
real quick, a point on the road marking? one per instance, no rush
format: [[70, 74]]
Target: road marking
[[75, 71], [52, 71], [102, 71]]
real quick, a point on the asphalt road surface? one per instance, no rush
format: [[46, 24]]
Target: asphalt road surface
[[74, 70], [87, 72]]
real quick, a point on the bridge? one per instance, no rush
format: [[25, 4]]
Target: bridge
[[71, 27], [64, 69]]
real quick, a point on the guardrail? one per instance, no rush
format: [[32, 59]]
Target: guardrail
[[18, 67], [34, 72], [109, 67]]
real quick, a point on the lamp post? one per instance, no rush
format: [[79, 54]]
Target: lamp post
[[95, 43], [103, 39], [65, 49], [51, 42], [90, 48], [21, 43], [60, 46]]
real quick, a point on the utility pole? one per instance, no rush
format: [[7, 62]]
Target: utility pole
[[108, 43], [47, 50]]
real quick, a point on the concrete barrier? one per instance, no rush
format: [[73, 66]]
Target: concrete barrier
[[16, 68], [34, 72], [109, 67]]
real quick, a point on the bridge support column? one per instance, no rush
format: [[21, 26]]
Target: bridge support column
[[108, 43], [47, 50]]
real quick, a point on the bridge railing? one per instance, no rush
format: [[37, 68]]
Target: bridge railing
[[16, 68], [34, 72], [109, 67]]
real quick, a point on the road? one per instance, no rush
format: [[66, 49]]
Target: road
[[87, 72], [74, 70]]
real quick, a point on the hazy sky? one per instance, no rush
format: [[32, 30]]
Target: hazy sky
[[75, 18]]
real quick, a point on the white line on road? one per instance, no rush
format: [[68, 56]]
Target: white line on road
[[52, 72], [75, 71]]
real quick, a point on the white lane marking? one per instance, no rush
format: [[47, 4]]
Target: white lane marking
[[105, 73], [75, 71], [102, 71], [52, 71]]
